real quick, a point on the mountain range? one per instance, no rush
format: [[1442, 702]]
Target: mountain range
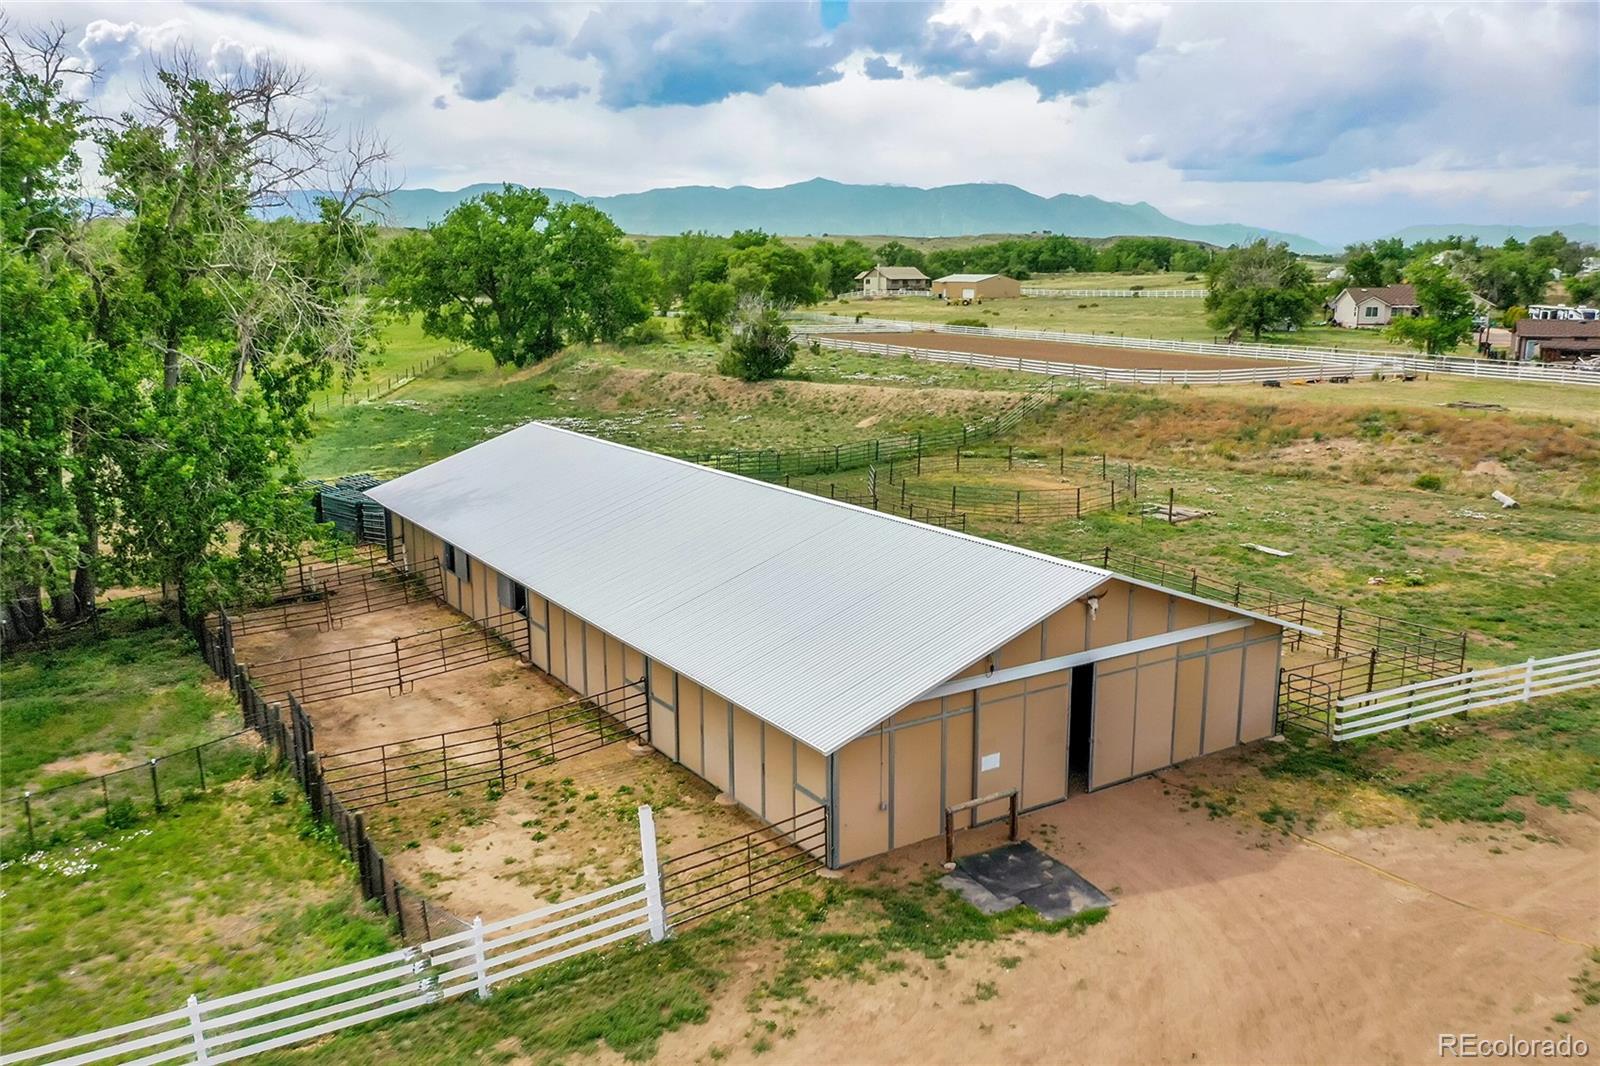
[[1582, 232], [820, 207]]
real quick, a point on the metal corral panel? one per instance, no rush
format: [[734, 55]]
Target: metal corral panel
[[819, 617]]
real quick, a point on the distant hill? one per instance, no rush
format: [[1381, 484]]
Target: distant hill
[[1582, 232], [819, 207]]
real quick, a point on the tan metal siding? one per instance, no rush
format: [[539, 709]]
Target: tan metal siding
[[714, 728], [917, 752], [863, 824], [777, 775], [1222, 700], [1044, 749], [747, 786], [691, 733]]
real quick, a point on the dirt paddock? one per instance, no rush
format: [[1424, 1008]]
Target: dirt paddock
[[473, 696], [1231, 943], [1059, 352], [558, 832]]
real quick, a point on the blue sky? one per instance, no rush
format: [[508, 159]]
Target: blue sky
[[1336, 121]]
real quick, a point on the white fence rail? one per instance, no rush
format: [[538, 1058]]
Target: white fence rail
[[1102, 375], [1366, 360], [1162, 294], [1378, 712], [263, 1019]]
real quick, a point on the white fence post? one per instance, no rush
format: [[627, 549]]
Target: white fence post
[[480, 965], [652, 874], [197, 1030], [1527, 681]]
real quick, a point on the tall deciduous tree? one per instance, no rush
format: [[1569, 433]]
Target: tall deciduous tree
[[776, 272], [1446, 305], [167, 353], [518, 276], [1260, 287]]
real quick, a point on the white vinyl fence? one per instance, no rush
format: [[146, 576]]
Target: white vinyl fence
[[1112, 294], [1086, 373], [263, 1019], [1366, 360], [1377, 712]]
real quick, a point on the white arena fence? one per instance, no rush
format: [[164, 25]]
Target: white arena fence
[[1365, 359], [264, 1019], [1113, 294], [1378, 712], [1088, 374]]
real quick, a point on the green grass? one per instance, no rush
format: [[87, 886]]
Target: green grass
[[664, 396], [220, 895], [1168, 319], [627, 999], [1485, 768], [131, 695]]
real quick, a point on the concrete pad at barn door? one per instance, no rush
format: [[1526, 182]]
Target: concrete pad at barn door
[[1022, 871]]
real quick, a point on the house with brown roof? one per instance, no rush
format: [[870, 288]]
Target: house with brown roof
[[893, 281], [1555, 340], [1355, 308]]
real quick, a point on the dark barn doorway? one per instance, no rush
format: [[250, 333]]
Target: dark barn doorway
[[1080, 728]]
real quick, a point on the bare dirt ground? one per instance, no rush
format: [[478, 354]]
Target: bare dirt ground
[[1057, 352], [560, 831], [273, 645], [1230, 943], [473, 696]]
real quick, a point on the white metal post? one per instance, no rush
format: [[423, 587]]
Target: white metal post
[[480, 965], [652, 874], [197, 1030], [1527, 682]]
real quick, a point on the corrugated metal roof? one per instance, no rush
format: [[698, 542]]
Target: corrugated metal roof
[[965, 277], [818, 617]]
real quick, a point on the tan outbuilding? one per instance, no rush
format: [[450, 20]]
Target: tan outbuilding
[[975, 288], [800, 652]]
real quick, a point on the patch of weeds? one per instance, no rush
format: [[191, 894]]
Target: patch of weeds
[[985, 990], [1279, 817]]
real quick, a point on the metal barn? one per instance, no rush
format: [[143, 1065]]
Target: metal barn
[[801, 652]]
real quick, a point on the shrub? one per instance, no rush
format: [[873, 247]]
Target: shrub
[[650, 331], [1430, 482], [121, 814], [761, 346], [980, 323]]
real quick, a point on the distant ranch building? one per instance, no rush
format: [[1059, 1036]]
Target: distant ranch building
[[1555, 340], [893, 281], [801, 653], [1357, 308], [973, 288]]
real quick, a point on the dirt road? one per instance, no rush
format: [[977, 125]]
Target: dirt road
[[1234, 944], [1058, 352]]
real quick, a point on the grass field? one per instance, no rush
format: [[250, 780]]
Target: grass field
[[666, 397], [1168, 319], [220, 893], [86, 707]]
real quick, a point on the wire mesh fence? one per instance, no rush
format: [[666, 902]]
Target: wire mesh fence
[[699, 883], [497, 753], [43, 818], [773, 464]]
